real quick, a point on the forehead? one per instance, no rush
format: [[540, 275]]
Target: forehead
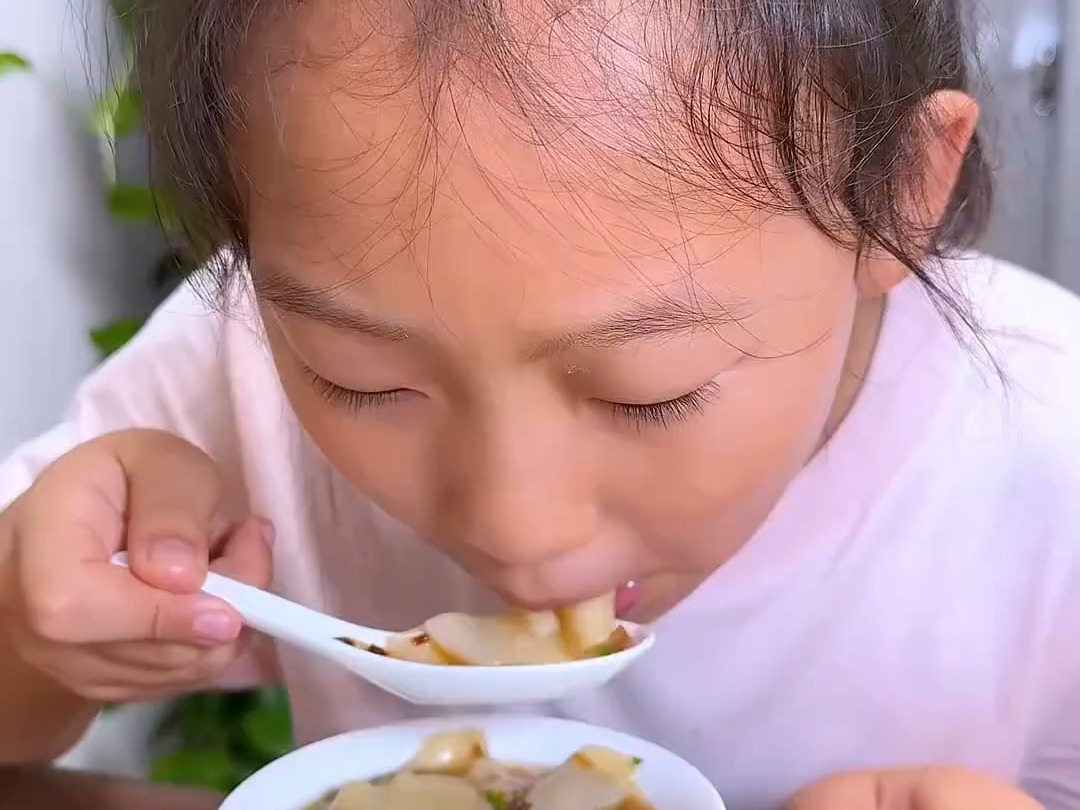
[[357, 175]]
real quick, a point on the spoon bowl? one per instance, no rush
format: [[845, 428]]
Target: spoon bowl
[[425, 684]]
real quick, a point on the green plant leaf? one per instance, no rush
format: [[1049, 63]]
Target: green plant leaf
[[137, 204], [121, 8], [210, 768], [218, 739], [116, 113], [11, 62], [112, 337], [267, 727], [141, 205], [173, 268]]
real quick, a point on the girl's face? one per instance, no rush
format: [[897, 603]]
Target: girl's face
[[548, 369]]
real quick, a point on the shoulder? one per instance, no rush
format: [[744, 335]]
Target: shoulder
[[186, 356], [1019, 371], [1008, 295], [1028, 397], [1031, 328], [180, 373], [1006, 451]]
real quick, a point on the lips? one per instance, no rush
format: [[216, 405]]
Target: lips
[[627, 597]]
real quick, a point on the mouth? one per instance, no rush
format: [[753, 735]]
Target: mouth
[[627, 597]]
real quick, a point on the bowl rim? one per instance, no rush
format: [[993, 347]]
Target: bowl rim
[[287, 767]]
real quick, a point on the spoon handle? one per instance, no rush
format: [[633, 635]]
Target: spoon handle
[[279, 617]]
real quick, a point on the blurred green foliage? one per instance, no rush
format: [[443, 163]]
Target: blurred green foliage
[[112, 337], [215, 740], [11, 62]]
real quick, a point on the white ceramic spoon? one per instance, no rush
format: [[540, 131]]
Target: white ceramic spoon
[[428, 684]]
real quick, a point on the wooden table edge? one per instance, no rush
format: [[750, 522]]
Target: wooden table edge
[[44, 788]]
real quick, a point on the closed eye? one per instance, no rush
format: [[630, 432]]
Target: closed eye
[[349, 398], [640, 415], [667, 413]]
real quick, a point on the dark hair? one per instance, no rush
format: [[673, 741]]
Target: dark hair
[[815, 107]]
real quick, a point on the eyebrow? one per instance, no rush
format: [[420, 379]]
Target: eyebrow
[[289, 295], [656, 318]]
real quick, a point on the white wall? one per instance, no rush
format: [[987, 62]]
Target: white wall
[[1066, 235], [65, 267]]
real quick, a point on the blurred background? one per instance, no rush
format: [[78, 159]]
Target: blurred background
[[82, 262]]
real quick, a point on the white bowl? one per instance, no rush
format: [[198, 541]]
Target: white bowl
[[307, 774]]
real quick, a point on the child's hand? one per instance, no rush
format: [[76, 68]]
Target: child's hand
[[922, 789], [111, 634]]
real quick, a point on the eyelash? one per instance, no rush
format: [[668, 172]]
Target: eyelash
[[649, 415], [348, 398], [667, 413]]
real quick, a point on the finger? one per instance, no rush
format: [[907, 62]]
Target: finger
[[170, 657], [245, 557], [74, 513], [958, 789], [912, 789], [119, 692], [174, 490], [163, 656], [105, 603], [853, 791], [246, 553], [83, 669]]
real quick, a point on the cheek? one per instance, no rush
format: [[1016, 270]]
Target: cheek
[[384, 460], [388, 464]]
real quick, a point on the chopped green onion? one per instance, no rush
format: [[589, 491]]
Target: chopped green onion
[[600, 650]]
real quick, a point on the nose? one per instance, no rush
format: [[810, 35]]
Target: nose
[[520, 492]]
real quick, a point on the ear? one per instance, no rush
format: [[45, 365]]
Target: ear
[[949, 118]]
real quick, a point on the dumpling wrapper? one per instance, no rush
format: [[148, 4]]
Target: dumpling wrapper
[[608, 761], [451, 752], [588, 625], [359, 796], [542, 637], [412, 791], [594, 778], [573, 786], [496, 640], [415, 646]]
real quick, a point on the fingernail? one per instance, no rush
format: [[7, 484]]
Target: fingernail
[[173, 556], [268, 531], [214, 626]]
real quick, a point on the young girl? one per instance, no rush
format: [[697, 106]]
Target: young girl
[[535, 300]]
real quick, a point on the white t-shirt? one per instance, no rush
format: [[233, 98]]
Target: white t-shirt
[[914, 598]]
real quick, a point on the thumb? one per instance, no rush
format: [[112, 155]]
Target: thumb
[[124, 608]]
